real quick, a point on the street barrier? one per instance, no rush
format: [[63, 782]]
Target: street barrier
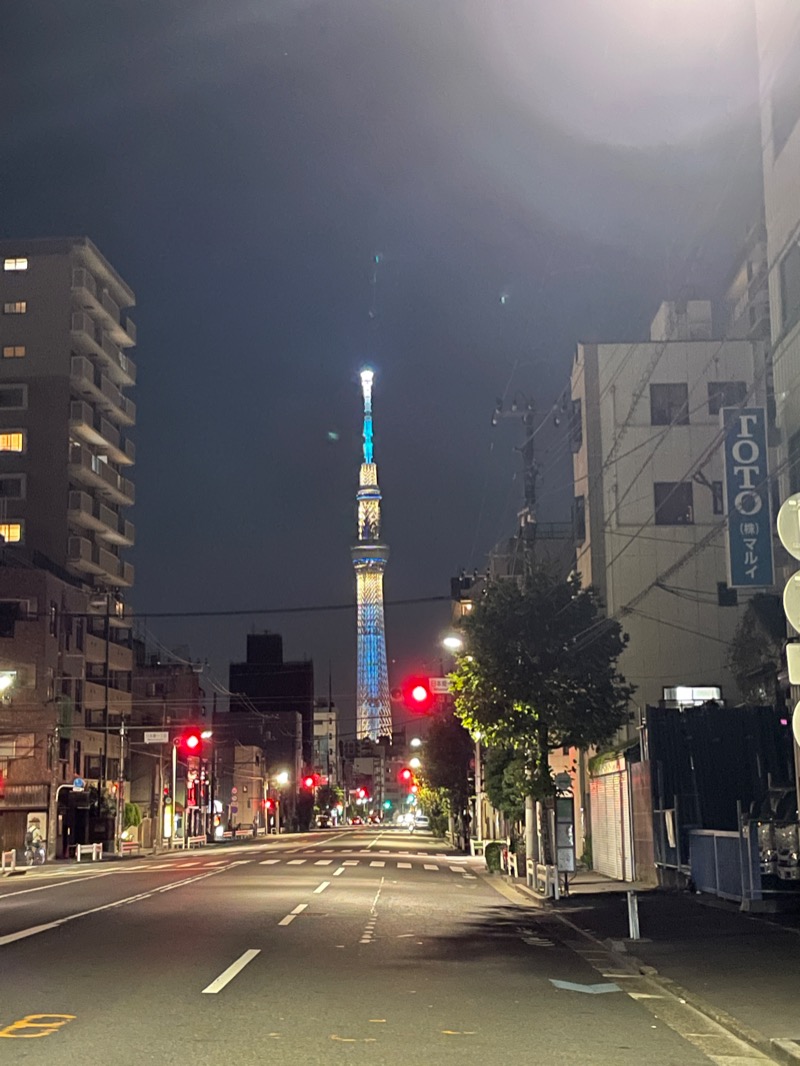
[[95, 850], [129, 846], [196, 842], [10, 858], [477, 847]]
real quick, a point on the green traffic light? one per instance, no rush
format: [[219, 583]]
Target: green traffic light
[[387, 804]]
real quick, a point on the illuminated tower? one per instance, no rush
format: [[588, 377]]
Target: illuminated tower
[[373, 707]]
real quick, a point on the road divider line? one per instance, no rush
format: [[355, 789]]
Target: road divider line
[[339, 872], [321, 887], [55, 884], [228, 975], [32, 931], [287, 920], [300, 908]]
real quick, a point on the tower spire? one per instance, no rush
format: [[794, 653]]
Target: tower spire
[[373, 705]]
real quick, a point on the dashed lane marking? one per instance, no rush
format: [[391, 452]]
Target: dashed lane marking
[[339, 872], [228, 975], [321, 887], [268, 862]]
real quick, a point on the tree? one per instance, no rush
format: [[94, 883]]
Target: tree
[[328, 796], [540, 671], [505, 778], [448, 754], [755, 656]]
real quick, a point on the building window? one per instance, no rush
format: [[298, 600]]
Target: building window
[[11, 532], [15, 264], [12, 486], [91, 766], [717, 497], [13, 397], [576, 426], [13, 351], [16, 307], [579, 519], [669, 404], [725, 394], [76, 757], [113, 770], [12, 441], [790, 286], [674, 503], [786, 99]]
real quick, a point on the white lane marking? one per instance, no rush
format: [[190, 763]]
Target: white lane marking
[[219, 862], [429, 866], [404, 866], [56, 884], [379, 862], [287, 920], [470, 877], [296, 862], [323, 862], [321, 887], [300, 908], [228, 975], [268, 862], [241, 862], [350, 862], [456, 869], [336, 873], [34, 929]]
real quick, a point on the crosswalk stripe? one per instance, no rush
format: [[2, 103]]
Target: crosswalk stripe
[[378, 863], [429, 866], [323, 862], [404, 866], [350, 862], [296, 862], [268, 862]]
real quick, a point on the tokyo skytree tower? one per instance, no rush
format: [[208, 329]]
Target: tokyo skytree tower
[[373, 705]]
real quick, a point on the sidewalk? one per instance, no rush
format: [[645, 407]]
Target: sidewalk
[[739, 965]]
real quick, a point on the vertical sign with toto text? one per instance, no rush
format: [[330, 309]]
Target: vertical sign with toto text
[[747, 498]]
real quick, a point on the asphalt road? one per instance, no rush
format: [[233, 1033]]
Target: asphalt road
[[362, 946]]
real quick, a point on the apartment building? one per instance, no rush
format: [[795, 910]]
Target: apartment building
[[778, 24], [65, 460], [650, 528]]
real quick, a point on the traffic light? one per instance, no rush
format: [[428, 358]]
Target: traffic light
[[190, 742], [361, 793], [309, 782], [406, 775], [269, 805], [418, 695]]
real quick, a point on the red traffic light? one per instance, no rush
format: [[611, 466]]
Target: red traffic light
[[406, 775], [418, 695], [309, 782], [269, 804], [190, 742], [362, 793]]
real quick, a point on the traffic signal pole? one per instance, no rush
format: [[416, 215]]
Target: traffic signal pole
[[174, 794]]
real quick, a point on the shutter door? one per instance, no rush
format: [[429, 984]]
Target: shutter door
[[611, 826]]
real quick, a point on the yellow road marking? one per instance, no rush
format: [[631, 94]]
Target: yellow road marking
[[37, 1023]]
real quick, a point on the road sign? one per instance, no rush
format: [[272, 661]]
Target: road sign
[[563, 782], [234, 791], [234, 809], [789, 525], [158, 736], [78, 784], [439, 685]]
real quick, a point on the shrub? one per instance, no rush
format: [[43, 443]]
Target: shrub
[[492, 855]]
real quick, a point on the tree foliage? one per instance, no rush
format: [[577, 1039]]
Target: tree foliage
[[449, 751], [540, 671], [506, 781], [755, 656], [328, 796]]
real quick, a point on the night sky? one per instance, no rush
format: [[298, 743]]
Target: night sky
[[241, 162]]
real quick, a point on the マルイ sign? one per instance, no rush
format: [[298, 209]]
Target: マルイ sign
[[747, 498]]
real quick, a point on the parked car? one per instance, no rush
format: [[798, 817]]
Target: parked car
[[421, 822]]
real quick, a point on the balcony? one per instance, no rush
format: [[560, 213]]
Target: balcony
[[114, 403], [87, 558], [87, 513], [89, 469], [121, 368], [84, 287]]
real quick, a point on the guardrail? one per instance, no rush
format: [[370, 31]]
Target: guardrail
[[9, 857], [129, 846], [195, 842], [95, 850]]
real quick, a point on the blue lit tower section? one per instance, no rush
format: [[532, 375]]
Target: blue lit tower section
[[373, 706]]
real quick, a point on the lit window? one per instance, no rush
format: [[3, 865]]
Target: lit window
[[15, 264], [17, 307], [11, 532], [13, 441], [13, 351]]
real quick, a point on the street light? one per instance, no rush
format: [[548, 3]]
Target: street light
[[415, 763], [453, 643], [415, 742]]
